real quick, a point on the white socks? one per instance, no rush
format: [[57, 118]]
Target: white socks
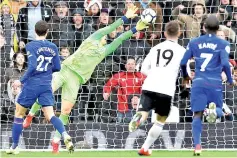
[[153, 134]]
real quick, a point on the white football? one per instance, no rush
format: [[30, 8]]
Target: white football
[[148, 16]]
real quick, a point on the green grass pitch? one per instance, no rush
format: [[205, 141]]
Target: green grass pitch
[[125, 154]]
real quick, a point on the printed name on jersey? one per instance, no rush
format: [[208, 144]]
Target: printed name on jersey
[[207, 45], [227, 49]]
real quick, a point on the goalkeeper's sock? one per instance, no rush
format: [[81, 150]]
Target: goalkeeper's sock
[[35, 107], [58, 125], [219, 112], [65, 121], [16, 131], [153, 134], [197, 130]]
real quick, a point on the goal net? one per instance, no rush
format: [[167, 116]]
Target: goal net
[[96, 123]]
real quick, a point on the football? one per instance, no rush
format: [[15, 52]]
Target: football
[[148, 16]]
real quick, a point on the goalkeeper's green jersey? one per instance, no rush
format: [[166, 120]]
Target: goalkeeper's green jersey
[[91, 53]]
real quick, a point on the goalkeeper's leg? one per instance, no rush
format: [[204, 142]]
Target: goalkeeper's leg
[[69, 97], [58, 81], [58, 124]]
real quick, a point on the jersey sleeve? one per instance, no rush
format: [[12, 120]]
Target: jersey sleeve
[[106, 30], [224, 54], [56, 61], [146, 65], [113, 81], [118, 41], [32, 63], [187, 55]]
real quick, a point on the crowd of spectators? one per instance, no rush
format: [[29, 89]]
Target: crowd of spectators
[[113, 92]]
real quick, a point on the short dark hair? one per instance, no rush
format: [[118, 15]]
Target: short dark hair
[[172, 28], [212, 24], [131, 57], [41, 28]]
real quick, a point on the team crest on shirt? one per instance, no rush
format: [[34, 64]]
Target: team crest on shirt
[[227, 49]]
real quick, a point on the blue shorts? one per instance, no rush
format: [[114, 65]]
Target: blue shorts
[[201, 97], [30, 93]]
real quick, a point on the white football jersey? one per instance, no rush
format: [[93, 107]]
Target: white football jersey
[[162, 67]]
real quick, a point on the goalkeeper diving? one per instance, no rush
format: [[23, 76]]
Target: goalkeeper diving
[[77, 68]]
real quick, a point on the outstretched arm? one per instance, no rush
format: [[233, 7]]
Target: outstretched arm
[[131, 13], [118, 41], [108, 29]]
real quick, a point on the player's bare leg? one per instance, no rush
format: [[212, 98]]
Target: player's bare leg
[[196, 131], [138, 119], [64, 117], [153, 134], [49, 115], [17, 129]]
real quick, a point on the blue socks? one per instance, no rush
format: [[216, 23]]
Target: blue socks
[[219, 112], [58, 125], [197, 130], [16, 131]]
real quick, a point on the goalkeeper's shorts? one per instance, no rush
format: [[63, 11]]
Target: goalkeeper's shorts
[[69, 81]]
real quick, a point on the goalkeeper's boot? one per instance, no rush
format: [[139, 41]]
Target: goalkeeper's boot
[[198, 150], [142, 152], [55, 146], [27, 121], [211, 113], [13, 151], [68, 143], [135, 122]]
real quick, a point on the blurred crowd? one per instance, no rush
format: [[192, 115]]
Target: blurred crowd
[[113, 92]]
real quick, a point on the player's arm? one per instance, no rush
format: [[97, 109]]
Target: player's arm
[[188, 55], [32, 64], [225, 63], [118, 41], [146, 65], [131, 13], [113, 81], [56, 61]]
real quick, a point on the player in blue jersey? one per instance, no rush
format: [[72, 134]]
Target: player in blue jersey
[[211, 56], [43, 60]]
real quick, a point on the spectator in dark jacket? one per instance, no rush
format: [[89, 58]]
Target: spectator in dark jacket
[[81, 29], [60, 27], [103, 20], [7, 24], [17, 70], [28, 17]]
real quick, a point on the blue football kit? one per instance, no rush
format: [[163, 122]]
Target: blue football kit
[[211, 55], [43, 60]]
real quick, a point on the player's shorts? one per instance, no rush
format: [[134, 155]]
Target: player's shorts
[[30, 93], [69, 81], [201, 97], [161, 103]]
